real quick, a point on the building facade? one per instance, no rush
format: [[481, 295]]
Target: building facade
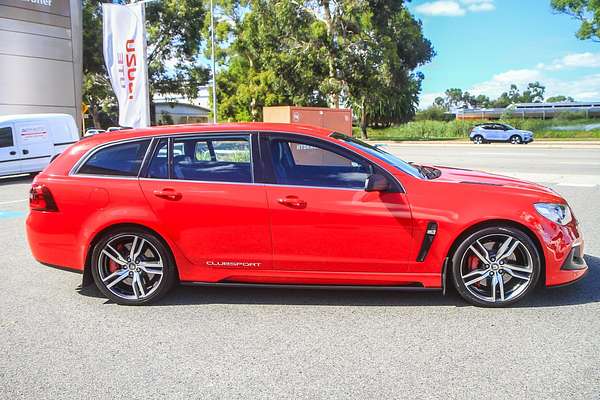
[[41, 57]]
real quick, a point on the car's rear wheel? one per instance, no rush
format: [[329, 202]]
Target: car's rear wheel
[[496, 267], [478, 139], [132, 267], [516, 139]]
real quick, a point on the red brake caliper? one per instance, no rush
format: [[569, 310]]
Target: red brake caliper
[[473, 264], [113, 266]]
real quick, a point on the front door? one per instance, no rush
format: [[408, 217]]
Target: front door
[[9, 154], [322, 219], [204, 194]]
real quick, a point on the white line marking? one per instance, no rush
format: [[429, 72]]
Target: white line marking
[[13, 201], [577, 184]]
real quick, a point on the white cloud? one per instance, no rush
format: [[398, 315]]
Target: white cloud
[[576, 60], [584, 88], [482, 6], [426, 99], [500, 82], [441, 8], [454, 8]]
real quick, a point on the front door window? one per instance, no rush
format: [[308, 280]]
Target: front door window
[[302, 164]]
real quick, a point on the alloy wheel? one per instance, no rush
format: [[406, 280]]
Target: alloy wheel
[[478, 140], [130, 267], [515, 140], [496, 268]]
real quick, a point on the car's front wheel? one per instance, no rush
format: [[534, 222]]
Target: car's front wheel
[[496, 266], [516, 139], [132, 267]]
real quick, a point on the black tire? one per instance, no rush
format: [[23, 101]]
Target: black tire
[[167, 277], [462, 267], [478, 139], [516, 139]]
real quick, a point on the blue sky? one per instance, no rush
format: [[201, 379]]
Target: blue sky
[[485, 45]]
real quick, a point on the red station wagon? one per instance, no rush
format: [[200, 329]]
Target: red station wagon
[[294, 206]]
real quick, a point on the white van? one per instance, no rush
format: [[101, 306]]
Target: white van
[[29, 142]]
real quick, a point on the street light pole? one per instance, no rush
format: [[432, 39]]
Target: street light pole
[[214, 69]]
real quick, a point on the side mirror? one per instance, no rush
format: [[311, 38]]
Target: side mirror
[[376, 183]]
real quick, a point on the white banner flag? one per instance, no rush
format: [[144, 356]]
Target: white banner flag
[[125, 58]]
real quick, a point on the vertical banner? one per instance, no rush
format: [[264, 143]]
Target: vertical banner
[[125, 58]]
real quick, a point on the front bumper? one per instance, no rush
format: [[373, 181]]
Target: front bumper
[[575, 260], [563, 250]]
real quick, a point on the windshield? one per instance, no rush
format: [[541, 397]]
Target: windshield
[[381, 154], [509, 127]]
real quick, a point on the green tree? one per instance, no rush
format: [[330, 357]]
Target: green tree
[[587, 12], [481, 101], [454, 98], [314, 52], [269, 58], [432, 113], [559, 99], [174, 29], [533, 94]]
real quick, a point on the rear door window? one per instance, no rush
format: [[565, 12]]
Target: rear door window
[[116, 160], [159, 165], [222, 159]]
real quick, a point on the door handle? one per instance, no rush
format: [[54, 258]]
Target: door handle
[[13, 153], [168, 193], [25, 151], [292, 201]]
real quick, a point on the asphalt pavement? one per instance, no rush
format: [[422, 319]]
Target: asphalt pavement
[[60, 341]]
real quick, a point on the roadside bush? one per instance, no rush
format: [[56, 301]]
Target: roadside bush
[[570, 115], [433, 113]]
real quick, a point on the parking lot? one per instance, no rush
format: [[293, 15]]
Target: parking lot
[[61, 341]]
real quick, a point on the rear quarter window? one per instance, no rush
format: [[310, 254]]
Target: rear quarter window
[[6, 137], [116, 160]]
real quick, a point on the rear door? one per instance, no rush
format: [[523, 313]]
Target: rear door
[[63, 133], [202, 189], [35, 145], [9, 151], [322, 219]]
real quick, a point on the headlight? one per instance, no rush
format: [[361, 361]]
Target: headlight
[[559, 213]]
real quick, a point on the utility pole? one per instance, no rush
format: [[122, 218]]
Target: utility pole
[[214, 69]]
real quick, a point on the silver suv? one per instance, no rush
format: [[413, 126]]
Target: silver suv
[[494, 132]]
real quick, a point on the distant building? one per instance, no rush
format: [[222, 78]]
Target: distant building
[[532, 110], [180, 110], [41, 57]]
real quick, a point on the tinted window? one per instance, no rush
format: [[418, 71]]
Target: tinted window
[[159, 165], [296, 163], [213, 159], [120, 160], [6, 137]]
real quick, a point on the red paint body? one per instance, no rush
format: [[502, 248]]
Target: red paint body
[[338, 237]]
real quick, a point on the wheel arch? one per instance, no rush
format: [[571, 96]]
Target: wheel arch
[[87, 270], [487, 224]]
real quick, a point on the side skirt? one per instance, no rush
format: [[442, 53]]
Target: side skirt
[[328, 287]]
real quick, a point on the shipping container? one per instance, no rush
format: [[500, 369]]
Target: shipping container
[[336, 119]]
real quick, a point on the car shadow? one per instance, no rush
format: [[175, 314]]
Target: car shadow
[[11, 180], [585, 291]]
